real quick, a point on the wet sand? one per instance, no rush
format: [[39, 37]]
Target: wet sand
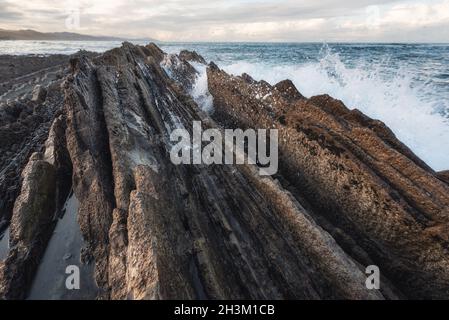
[[64, 249], [4, 244]]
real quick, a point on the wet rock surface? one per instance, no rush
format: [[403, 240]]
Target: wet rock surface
[[30, 226], [39, 94], [17, 70], [381, 203], [30, 99], [191, 56], [348, 193]]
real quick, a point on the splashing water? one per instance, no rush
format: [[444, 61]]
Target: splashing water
[[404, 85], [200, 91], [390, 96]]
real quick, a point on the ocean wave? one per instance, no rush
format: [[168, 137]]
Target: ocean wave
[[405, 86], [390, 96]]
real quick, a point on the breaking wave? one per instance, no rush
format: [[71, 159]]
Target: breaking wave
[[404, 85], [392, 97]]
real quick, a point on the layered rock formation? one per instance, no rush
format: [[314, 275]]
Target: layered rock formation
[[30, 99], [382, 204], [348, 193]]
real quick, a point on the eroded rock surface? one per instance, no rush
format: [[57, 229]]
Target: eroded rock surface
[[444, 175], [31, 227], [191, 56], [348, 193], [30, 99], [381, 203]]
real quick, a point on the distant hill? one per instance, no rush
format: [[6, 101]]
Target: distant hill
[[62, 36]]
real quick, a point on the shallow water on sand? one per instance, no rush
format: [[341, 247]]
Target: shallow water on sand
[[64, 249], [4, 245]]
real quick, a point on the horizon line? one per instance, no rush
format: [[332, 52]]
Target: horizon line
[[151, 39], [124, 39]]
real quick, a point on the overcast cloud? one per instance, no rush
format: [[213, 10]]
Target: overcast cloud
[[239, 20]]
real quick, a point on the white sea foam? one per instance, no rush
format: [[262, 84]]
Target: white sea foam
[[381, 91], [394, 100], [20, 47], [200, 90]]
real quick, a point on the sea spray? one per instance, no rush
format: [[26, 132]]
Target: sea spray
[[403, 85], [200, 91], [388, 95]]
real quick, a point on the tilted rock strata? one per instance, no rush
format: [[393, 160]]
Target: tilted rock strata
[[24, 121], [348, 195], [382, 204], [31, 227], [444, 175], [182, 227]]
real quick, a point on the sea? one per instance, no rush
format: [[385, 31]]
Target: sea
[[404, 85]]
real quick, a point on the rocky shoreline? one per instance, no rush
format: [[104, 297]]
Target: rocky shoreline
[[348, 193]]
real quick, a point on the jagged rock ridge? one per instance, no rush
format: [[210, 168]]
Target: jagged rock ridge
[[348, 194]]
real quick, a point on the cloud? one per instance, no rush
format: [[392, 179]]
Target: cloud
[[240, 20], [8, 13]]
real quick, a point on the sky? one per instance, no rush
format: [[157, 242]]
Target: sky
[[237, 20]]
